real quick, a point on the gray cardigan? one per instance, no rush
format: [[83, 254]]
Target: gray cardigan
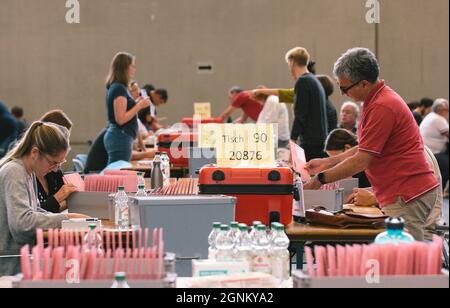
[[18, 220]]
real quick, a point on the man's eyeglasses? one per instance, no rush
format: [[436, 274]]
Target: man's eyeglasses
[[345, 90]]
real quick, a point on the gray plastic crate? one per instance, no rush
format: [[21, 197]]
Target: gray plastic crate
[[187, 222], [200, 157], [301, 280], [168, 282], [332, 200], [92, 204]]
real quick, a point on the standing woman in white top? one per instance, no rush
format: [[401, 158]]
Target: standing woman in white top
[[43, 147], [275, 113]]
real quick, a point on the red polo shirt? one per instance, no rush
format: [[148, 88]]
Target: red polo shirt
[[251, 107], [388, 130]]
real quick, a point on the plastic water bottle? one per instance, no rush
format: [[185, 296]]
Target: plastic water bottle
[[279, 253], [224, 244], [135, 217], [122, 209], [157, 178], [141, 179], [234, 230], [261, 256], [394, 232], [92, 240], [120, 281], [212, 250], [253, 229], [165, 165], [243, 244]]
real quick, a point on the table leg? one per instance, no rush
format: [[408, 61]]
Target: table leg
[[300, 255], [298, 248]]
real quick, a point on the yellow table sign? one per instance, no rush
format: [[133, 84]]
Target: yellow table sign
[[240, 145], [203, 110]]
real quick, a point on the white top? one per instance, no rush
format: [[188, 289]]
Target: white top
[[431, 129], [275, 112], [142, 129]]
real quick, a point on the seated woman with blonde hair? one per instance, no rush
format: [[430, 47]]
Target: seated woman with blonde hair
[[44, 146]]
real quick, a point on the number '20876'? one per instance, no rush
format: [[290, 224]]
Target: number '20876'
[[245, 155]]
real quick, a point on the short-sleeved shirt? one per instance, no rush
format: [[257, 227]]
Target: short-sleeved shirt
[[251, 107], [120, 90], [432, 128], [388, 131]]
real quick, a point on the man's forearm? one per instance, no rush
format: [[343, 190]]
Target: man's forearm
[[335, 160], [349, 167]]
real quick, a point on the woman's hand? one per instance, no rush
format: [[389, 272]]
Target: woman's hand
[[65, 192], [77, 216], [144, 103]]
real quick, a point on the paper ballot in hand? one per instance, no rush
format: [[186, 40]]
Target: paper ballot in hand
[[299, 161], [76, 180]]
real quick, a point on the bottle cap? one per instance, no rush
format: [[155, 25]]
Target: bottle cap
[[395, 223]]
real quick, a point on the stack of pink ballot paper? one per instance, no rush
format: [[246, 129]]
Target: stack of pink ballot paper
[[105, 183], [135, 253], [418, 258], [331, 186], [178, 187]]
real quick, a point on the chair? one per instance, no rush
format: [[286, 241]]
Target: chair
[[79, 163]]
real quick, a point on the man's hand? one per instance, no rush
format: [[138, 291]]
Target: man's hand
[[316, 166], [313, 184], [362, 197]]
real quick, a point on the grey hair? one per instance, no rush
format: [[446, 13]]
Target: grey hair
[[354, 105], [357, 64], [439, 105], [235, 90]]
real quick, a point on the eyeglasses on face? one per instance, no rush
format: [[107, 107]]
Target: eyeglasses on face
[[345, 90]]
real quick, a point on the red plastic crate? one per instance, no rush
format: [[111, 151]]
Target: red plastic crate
[[263, 194], [190, 121], [182, 141]]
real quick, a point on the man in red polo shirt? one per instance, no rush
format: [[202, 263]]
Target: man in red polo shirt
[[391, 150], [240, 99]]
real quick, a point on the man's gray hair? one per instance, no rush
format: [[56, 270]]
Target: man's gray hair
[[355, 107], [440, 105], [235, 90], [357, 64]]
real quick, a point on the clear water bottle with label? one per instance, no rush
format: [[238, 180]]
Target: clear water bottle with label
[[298, 208], [135, 215], [120, 281], [141, 179], [279, 253], [234, 230], [395, 233], [243, 244], [122, 214], [224, 244], [157, 178], [212, 250], [93, 241], [165, 165], [261, 261], [253, 229]]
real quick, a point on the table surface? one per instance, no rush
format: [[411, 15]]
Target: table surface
[[145, 167], [301, 232]]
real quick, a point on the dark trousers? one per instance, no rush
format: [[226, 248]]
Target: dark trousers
[[442, 159], [314, 151]]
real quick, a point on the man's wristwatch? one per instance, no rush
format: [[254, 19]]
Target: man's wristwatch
[[321, 178]]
